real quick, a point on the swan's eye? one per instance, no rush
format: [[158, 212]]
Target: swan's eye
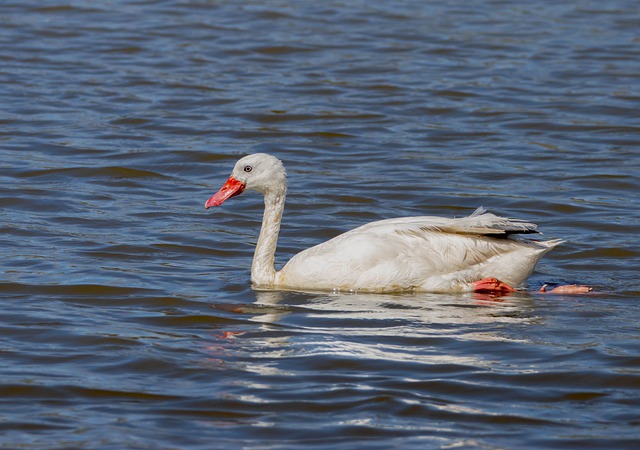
[[248, 168]]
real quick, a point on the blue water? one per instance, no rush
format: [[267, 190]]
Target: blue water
[[127, 319]]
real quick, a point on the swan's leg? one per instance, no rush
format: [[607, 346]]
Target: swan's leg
[[567, 289], [492, 285]]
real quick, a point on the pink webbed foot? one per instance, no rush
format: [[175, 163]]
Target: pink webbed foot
[[492, 286], [567, 289]]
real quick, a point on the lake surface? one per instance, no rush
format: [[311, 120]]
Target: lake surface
[[127, 320]]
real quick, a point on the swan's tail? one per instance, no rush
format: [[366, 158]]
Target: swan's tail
[[550, 244]]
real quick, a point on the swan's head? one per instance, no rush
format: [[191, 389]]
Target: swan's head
[[260, 172]]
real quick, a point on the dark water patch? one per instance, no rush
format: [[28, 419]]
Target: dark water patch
[[65, 393], [90, 172], [71, 290]]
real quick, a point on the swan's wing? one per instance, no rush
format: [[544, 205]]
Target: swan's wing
[[479, 223]]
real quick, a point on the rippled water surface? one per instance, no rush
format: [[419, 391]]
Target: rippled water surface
[[127, 319]]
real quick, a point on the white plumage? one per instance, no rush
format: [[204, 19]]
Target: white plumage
[[431, 254]]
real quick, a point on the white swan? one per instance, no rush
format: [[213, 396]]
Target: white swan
[[430, 254]]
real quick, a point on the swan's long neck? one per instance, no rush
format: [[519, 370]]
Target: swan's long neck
[[263, 272]]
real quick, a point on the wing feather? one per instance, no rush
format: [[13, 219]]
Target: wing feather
[[480, 223]]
